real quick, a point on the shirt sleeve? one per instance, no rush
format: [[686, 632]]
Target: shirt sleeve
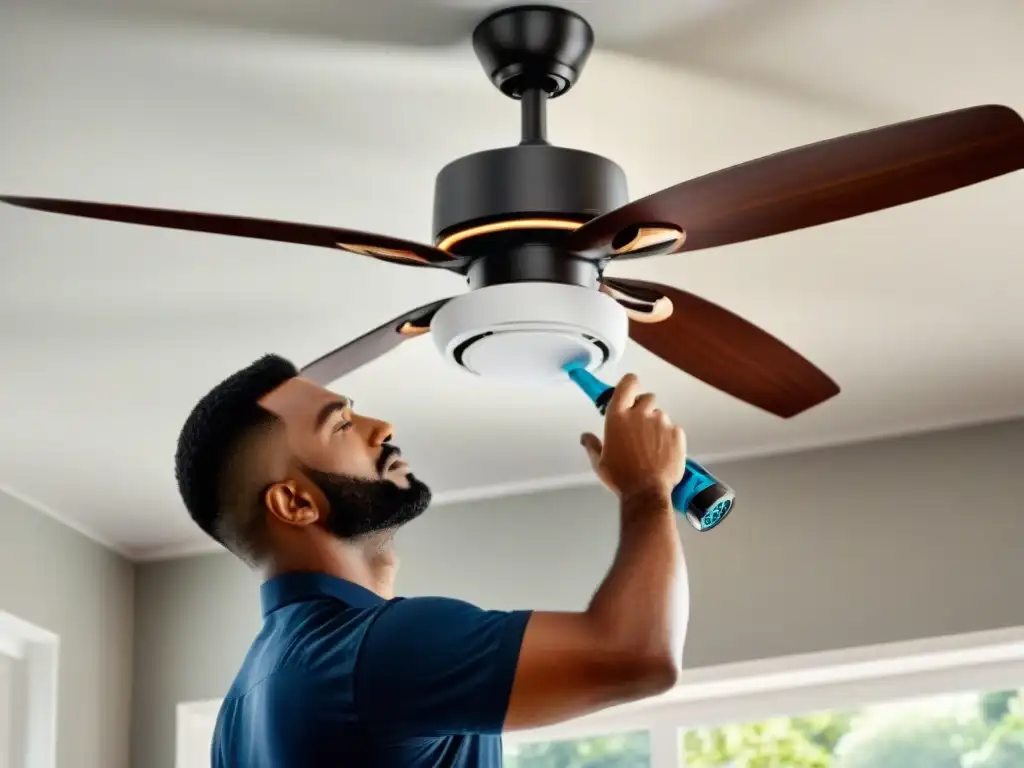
[[432, 666]]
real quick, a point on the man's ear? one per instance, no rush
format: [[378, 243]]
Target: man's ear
[[291, 504]]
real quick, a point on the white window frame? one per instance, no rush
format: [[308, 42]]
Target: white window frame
[[751, 691], [8, 729], [194, 722], [32, 656]]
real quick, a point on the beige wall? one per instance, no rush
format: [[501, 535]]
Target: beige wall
[[873, 543], [63, 582]]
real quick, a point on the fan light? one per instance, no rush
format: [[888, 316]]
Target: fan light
[[510, 225]]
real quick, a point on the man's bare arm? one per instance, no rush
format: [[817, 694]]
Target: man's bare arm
[[628, 644]]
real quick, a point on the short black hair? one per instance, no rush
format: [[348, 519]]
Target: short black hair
[[219, 426]]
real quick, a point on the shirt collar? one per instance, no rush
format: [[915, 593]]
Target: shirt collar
[[298, 587]]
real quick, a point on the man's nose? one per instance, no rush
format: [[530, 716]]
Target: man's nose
[[380, 432]]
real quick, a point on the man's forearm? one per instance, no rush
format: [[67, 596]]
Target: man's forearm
[[627, 645], [643, 603]]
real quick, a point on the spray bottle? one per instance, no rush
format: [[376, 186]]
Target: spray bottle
[[700, 496]]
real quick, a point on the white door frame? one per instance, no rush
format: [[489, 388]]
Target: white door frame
[[34, 655]]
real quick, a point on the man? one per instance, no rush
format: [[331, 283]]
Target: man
[[297, 483]]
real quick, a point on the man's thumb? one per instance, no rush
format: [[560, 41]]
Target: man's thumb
[[592, 445]]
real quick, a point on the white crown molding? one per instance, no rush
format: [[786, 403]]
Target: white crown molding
[[205, 546], [177, 550], [67, 522], [585, 479]]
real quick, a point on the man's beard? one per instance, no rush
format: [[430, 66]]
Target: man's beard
[[360, 508]]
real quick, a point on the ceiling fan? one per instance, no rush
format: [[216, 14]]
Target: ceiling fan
[[531, 228]]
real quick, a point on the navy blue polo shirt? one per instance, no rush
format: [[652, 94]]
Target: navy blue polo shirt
[[338, 676]]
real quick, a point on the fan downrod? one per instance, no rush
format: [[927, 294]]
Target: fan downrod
[[533, 53]]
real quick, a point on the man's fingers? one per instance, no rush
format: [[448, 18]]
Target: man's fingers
[[592, 445], [644, 403], [624, 395]]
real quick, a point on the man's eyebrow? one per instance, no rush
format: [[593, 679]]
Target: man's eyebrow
[[330, 409]]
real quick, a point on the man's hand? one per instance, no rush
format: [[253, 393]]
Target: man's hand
[[643, 453]]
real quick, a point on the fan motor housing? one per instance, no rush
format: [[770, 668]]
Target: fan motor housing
[[528, 331], [524, 181]]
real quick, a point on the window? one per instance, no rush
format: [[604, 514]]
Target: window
[[195, 723], [952, 702], [948, 731]]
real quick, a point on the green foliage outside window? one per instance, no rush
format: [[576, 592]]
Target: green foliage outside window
[[976, 732]]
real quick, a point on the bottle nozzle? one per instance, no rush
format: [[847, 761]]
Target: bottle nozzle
[[592, 386]]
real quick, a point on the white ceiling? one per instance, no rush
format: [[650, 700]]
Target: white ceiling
[[110, 333]]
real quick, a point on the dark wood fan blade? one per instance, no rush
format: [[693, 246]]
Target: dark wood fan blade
[[362, 243], [819, 183], [726, 351], [372, 345]]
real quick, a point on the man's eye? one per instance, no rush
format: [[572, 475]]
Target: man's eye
[[341, 426]]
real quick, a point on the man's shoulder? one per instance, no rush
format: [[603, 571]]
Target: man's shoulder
[[315, 637], [325, 638], [315, 646]]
